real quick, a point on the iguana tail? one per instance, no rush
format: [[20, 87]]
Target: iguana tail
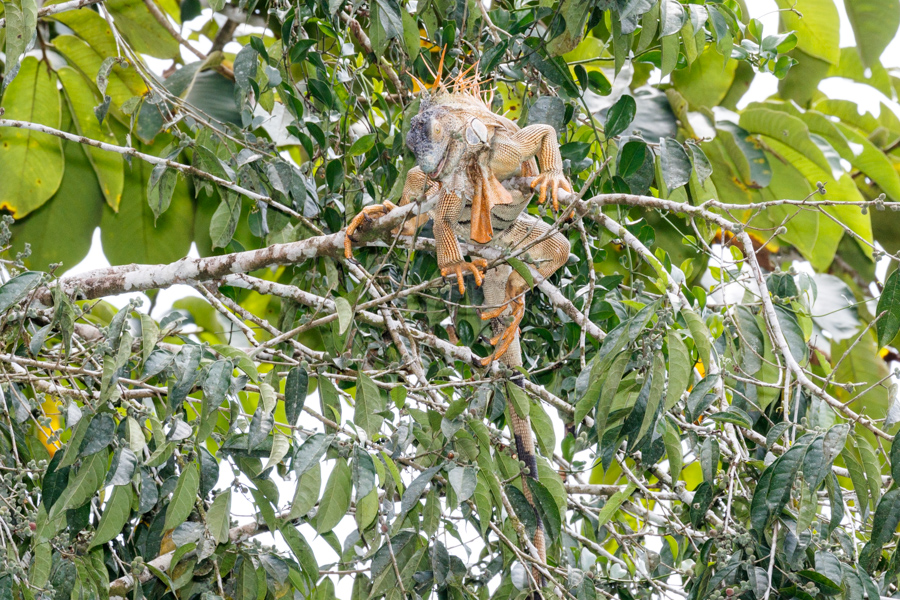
[[495, 294]]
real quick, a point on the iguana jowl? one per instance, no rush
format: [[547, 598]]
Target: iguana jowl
[[463, 152]]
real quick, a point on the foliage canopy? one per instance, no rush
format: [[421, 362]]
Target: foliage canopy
[[708, 377]]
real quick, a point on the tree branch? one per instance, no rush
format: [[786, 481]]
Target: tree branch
[[55, 9]]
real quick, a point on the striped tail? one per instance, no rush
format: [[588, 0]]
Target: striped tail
[[495, 295]]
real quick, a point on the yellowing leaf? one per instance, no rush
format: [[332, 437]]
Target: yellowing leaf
[[31, 163]]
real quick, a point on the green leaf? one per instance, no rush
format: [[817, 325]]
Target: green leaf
[[336, 499], [261, 426], [99, 434], [463, 481], [114, 516], [31, 163], [608, 391], [310, 452], [522, 269], [750, 160], [415, 489], [547, 508], [281, 444], [329, 400], [369, 402], [612, 505], [134, 235], [143, 32], [301, 549], [224, 221], [367, 142], [21, 22], [523, 509], [818, 31], [620, 116], [183, 498], [874, 25], [733, 415], [83, 485], [295, 389], [17, 288], [334, 174], [788, 130], [218, 517], [679, 369], [674, 452], [543, 428], [676, 166], [703, 498], [888, 325], [518, 399], [700, 334], [160, 189], [60, 231], [109, 166], [243, 361], [887, 517], [344, 312], [40, 566], [307, 493], [707, 80]]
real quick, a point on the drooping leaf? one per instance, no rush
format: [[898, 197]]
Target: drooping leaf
[[31, 163], [335, 499], [184, 496]]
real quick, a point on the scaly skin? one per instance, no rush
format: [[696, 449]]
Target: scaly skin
[[464, 151]]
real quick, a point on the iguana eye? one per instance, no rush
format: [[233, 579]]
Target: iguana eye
[[436, 129]]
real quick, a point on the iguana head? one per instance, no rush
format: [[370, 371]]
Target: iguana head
[[448, 128], [436, 138]]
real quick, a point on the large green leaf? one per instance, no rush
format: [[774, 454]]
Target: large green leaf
[[145, 34], [874, 25], [788, 130], [60, 231], [108, 165], [860, 363], [124, 83], [31, 163], [131, 235], [818, 29], [707, 80]]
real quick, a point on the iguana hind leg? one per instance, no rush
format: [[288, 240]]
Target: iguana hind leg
[[549, 253]]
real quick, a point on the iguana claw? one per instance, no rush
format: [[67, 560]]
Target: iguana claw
[[505, 339], [473, 267], [366, 215], [554, 180]]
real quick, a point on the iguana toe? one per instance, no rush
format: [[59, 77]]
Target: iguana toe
[[458, 268], [366, 215]]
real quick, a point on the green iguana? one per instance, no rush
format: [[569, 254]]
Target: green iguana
[[463, 152]]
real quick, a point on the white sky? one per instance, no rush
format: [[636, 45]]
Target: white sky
[[763, 86]]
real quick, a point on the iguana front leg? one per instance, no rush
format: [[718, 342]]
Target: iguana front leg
[[508, 153], [449, 255], [416, 185]]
